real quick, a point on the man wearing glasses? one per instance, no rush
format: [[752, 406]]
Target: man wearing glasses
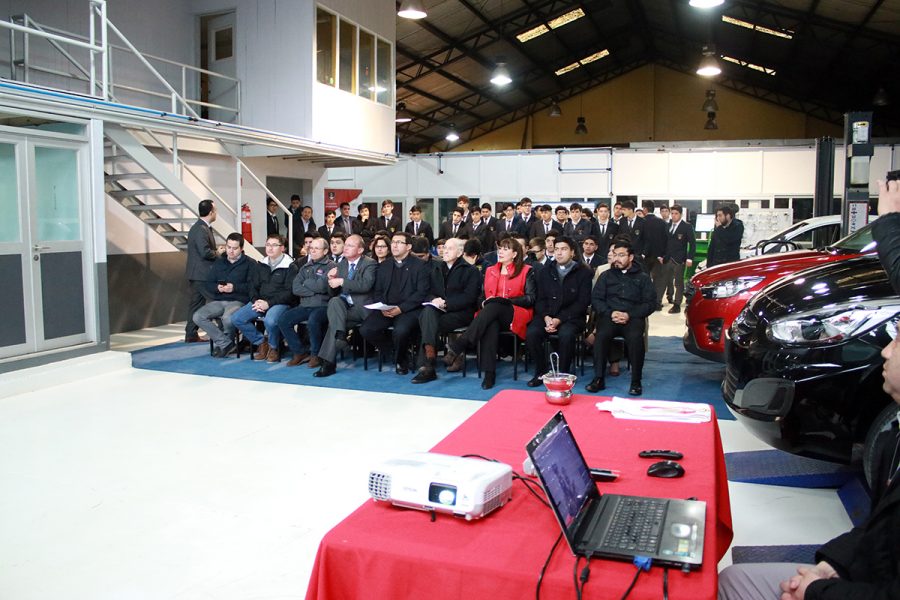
[[622, 300], [401, 286]]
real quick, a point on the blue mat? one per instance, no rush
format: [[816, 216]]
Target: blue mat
[[670, 373], [774, 467], [805, 554]]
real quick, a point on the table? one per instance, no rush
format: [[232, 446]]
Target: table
[[381, 551]]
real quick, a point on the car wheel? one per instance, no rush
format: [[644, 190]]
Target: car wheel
[[881, 424]]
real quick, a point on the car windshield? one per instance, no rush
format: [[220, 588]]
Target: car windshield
[[858, 241], [784, 233]]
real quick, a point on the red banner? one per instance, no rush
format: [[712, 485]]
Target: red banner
[[335, 197]]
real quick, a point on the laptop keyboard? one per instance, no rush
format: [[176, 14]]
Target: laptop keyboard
[[636, 525]]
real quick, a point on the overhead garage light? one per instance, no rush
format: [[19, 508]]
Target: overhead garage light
[[555, 110], [782, 33], [706, 3], [710, 105], [749, 65], [452, 136], [709, 66], [412, 9], [501, 76], [539, 30], [711, 122], [403, 115]]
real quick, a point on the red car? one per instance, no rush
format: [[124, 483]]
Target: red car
[[717, 295]]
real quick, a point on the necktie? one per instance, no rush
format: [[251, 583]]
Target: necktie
[[350, 274], [602, 230], [387, 222], [672, 229], [631, 224], [415, 229], [508, 225], [455, 227], [546, 228], [347, 225]]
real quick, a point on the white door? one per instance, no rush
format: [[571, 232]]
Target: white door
[[223, 91]]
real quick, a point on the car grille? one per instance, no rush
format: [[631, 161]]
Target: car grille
[[743, 327]]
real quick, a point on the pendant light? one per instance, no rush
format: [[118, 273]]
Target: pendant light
[[581, 128], [452, 136], [555, 110], [403, 115], [711, 122], [710, 105], [501, 77], [412, 9], [709, 65]]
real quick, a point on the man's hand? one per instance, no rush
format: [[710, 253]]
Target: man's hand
[[795, 587], [888, 197], [226, 289], [260, 306], [551, 324], [335, 282], [660, 259], [619, 318], [440, 303], [392, 313], [689, 262], [332, 273]]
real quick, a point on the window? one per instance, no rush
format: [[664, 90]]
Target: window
[[326, 24], [223, 43], [347, 67], [383, 78], [366, 64]]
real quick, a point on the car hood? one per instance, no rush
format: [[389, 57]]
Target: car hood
[[780, 264], [861, 278]]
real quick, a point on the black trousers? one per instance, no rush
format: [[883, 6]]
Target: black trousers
[[434, 322], [632, 331], [486, 327], [197, 296], [674, 274], [567, 334], [406, 326]]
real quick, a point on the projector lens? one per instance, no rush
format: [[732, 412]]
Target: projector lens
[[442, 494]]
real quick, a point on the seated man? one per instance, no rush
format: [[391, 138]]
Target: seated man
[[563, 296], [311, 286], [336, 244], [402, 282], [350, 285], [622, 299], [228, 287], [453, 303], [270, 297]]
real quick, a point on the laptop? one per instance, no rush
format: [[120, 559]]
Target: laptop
[[667, 530]]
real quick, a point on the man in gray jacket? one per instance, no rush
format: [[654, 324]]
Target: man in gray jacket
[[201, 253], [311, 286], [351, 284]]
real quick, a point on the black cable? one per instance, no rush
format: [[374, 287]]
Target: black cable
[[633, 581], [665, 583], [537, 591], [575, 578], [585, 573], [530, 486]]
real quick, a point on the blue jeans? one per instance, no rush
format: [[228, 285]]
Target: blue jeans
[[244, 317], [316, 322]]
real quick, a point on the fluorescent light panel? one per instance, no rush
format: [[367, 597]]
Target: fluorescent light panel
[[749, 65], [586, 60], [782, 33], [572, 15]]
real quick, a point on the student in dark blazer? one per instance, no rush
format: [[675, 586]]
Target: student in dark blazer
[[455, 227], [329, 227], [510, 221], [632, 226], [578, 228], [272, 217], [590, 253], [481, 231], [349, 225], [417, 226], [681, 244], [605, 229], [402, 281], [388, 221], [488, 217], [545, 224], [655, 236]]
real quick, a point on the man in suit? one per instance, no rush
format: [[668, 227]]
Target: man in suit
[[453, 304], [201, 253], [681, 244], [463, 202], [563, 296], [632, 226], [271, 217], [655, 239], [725, 245], [481, 231], [455, 227], [417, 226], [306, 221], [546, 224], [562, 217], [350, 285], [528, 217], [578, 228], [511, 222], [329, 227], [402, 282], [590, 256], [388, 221], [666, 215], [487, 215], [346, 223], [336, 246], [294, 209], [605, 228]]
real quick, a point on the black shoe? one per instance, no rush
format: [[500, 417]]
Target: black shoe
[[449, 356], [596, 384], [635, 389], [490, 378], [223, 352], [658, 307], [217, 352], [327, 369], [425, 375], [535, 381], [401, 369], [675, 309], [669, 300]]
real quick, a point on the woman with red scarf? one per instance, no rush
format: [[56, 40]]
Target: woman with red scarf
[[507, 301]]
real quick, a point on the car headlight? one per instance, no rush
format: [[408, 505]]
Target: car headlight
[[729, 287], [836, 324]]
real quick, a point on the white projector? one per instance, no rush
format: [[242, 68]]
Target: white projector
[[465, 487]]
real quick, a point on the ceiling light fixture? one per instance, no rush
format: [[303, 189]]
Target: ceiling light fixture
[[555, 110], [710, 105], [501, 77], [709, 66], [452, 136], [881, 97], [412, 9], [581, 128], [706, 3], [403, 115], [711, 122]]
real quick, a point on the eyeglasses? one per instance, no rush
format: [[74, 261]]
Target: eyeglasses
[[620, 254], [400, 243], [273, 245], [381, 246]]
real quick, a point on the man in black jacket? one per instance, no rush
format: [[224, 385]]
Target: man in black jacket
[[655, 236], [201, 252], [418, 227], [622, 300], [632, 225], [681, 244], [402, 282], [725, 245], [563, 296], [451, 305], [388, 221], [228, 289], [606, 229]]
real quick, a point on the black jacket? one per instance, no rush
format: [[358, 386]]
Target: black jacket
[[391, 226], [655, 236], [635, 233], [579, 231], [567, 299], [446, 230], [201, 251], [886, 231], [415, 281], [630, 292], [536, 229], [483, 233], [273, 285], [236, 273], [425, 231], [681, 244], [867, 558], [460, 286], [725, 245], [611, 231]]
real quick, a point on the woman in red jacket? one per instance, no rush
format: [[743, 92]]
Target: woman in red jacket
[[508, 298]]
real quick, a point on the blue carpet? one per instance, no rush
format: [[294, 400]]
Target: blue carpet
[[670, 373], [774, 467], [805, 554]]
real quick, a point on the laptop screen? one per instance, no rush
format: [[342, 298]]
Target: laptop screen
[[562, 470]]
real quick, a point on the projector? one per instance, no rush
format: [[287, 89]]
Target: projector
[[464, 487]]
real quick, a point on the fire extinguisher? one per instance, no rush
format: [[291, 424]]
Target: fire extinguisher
[[246, 223]]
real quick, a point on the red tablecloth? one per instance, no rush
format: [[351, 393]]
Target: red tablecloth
[[384, 552]]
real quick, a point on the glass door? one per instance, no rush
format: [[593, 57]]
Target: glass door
[[15, 268]]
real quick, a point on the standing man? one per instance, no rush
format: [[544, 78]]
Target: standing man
[[306, 221], [346, 223], [402, 282], [388, 220], [622, 300], [228, 289], [329, 227], [546, 224], [271, 217], [681, 244], [526, 215], [578, 228], [563, 297], [294, 210], [725, 245], [606, 229], [590, 256], [511, 222], [417, 226], [455, 227], [479, 230], [463, 203], [488, 217], [201, 249], [453, 305], [655, 238], [633, 226], [350, 285]]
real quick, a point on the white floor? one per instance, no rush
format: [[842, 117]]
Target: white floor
[[118, 483]]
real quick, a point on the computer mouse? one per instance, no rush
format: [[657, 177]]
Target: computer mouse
[[665, 468]]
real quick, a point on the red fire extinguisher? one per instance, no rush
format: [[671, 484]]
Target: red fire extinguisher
[[246, 223]]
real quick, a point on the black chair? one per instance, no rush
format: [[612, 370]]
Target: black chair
[[515, 345]]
